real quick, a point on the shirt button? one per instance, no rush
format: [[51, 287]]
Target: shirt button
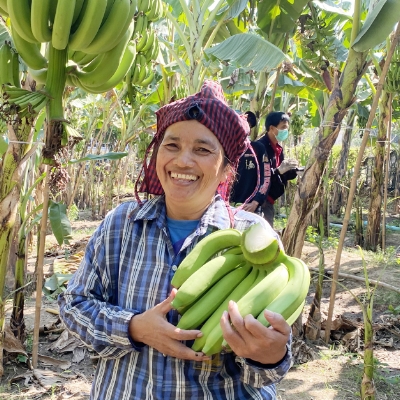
[[174, 268]]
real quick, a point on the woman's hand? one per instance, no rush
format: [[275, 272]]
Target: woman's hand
[[248, 338], [251, 207], [153, 329]]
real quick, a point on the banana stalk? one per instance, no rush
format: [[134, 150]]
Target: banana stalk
[[55, 83]]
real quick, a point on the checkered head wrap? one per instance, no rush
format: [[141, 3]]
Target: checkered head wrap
[[210, 108]]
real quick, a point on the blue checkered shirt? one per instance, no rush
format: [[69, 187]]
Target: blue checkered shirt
[[127, 269]]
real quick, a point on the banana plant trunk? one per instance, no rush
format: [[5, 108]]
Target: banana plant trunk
[[339, 187], [11, 175], [372, 237], [306, 196]]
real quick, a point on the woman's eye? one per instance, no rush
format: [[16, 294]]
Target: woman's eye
[[171, 145], [203, 150]]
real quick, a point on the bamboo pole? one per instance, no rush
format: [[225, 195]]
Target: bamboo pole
[[386, 180], [355, 178], [39, 268]]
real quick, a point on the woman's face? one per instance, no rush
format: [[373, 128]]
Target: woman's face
[[190, 166]]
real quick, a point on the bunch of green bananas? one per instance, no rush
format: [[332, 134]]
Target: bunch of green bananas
[[9, 65], [297, 125], [22, 102], [147, 44], [98, 34], [392, 80], [252, 270]]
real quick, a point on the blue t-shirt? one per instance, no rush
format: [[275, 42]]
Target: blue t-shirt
[[179, 230]]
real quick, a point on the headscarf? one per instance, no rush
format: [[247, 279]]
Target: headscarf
[[210, 108]]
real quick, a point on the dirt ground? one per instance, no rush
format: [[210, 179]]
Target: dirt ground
[[322, 372]]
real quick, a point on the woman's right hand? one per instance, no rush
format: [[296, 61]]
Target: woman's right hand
[[152, 328]]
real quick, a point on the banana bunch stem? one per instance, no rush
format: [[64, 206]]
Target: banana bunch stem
[[55, 82]]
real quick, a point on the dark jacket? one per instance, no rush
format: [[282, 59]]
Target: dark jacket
[[246, 179], [278, 181]]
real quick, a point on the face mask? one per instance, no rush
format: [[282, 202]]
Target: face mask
[[282, 135]]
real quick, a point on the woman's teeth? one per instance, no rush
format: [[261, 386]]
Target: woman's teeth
[[183, 176]]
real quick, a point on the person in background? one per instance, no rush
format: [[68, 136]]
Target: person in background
[[119, 300], [252, 178], [282, 170]]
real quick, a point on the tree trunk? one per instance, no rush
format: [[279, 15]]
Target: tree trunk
[[341, 99], [339, 187], [376, 198]]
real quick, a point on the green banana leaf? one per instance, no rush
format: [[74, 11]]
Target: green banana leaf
[[3, 144], [330, 8], [378, 25], [105, 156], [4, 33], [59, 222], [280, 14], [248, 50]]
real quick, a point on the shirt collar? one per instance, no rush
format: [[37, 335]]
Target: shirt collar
[[216, 215]]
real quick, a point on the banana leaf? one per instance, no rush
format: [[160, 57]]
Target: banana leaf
[[105, 156], [280, 14], [59, 222], [378, 25], [3, 144], [249, 51]]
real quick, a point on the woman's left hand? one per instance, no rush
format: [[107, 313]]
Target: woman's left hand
[[248, 338]]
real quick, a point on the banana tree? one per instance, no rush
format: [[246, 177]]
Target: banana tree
[[341, 98]]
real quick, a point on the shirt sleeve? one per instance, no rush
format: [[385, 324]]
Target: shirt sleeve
[[265, 173], [258, 376], [86, 307]]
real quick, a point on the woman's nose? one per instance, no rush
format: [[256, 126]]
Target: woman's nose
[[184, 158]]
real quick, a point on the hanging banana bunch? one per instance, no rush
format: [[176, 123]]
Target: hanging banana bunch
[[147, 45], [392, 80], [83, 43]]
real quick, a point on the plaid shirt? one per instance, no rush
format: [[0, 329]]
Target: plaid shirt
[[127, 269]]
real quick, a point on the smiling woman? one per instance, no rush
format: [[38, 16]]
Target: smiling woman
[[119, 301]]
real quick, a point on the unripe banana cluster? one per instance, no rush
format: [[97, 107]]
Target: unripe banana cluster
[[392, 80], [101, 36], [230, 265], [21, 102]]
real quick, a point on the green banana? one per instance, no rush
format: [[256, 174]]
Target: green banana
[[20, 15], [148, 79], [292, 319], [200, 281], [294, 292], [211, 329], [208, 303], [156, 11], [258, 298], [82, 58], [111, 28], [152, 54], [142, 40], [203, 251], [94, 63], [259, 247], [3, 5], [40, 11], [140, 24], [124, 67], [62, 23], [3, 12], [78, 8], [15, 69], [144, 5], [108, 66], [233, 250], [150, 41], [6, 65], [40, 76], [89, 25], [141, 60]]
